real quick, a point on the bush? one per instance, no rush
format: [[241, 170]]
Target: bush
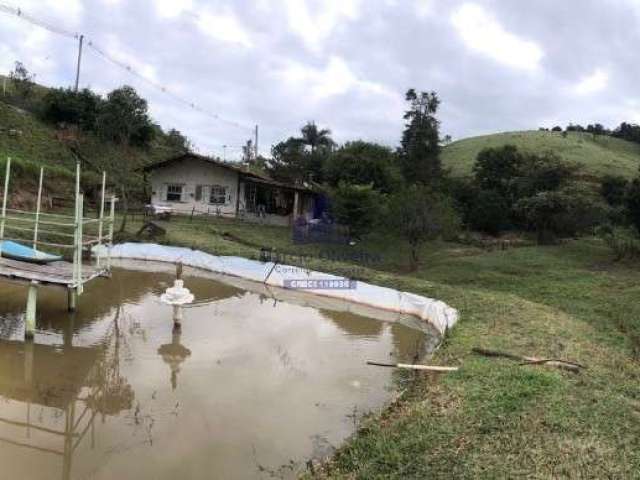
[[356, 206], [623, 245], [562, 212], [489, 212], [614, 188]]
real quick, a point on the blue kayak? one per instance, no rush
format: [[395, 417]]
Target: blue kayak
[[17, 251]]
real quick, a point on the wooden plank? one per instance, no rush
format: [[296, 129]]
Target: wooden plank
[[59, 273]]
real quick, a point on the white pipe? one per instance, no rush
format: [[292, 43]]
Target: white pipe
[[35, 228]]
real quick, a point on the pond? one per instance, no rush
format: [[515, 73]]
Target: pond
[[252, 387]]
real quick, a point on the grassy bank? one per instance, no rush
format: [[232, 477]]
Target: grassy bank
[[598, 155], [493, 418]]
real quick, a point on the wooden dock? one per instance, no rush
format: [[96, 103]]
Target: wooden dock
[[54, 274]]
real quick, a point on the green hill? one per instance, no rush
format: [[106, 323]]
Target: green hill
[[599, 155]]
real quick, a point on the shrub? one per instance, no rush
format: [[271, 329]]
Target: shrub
[[562, 212], [356, 206], [614, 188], [489, 212]]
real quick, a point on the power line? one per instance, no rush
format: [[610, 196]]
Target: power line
[[119, 63]]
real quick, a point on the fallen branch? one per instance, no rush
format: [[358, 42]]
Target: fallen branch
[[552, 362], [431, 368]]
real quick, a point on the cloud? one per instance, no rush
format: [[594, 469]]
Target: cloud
[[225, 28], [592, 83], [314, 28], [336, 78], [170, 8], [481, 32]]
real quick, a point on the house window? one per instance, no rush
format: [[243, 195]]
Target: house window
[[218, 195], [174, 193], [198, 193]]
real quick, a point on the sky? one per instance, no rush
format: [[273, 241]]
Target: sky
[[497, 65]]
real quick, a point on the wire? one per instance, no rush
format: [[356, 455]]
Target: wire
[[35, 21], [4, 8]]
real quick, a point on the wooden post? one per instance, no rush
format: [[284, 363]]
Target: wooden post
[[30, 316], [4, 199], [72, 299], [35, 228], [100, 224]]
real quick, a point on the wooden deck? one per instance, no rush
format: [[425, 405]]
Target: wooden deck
[[55, 273]]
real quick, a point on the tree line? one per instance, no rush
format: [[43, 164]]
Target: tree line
[[122, 116]]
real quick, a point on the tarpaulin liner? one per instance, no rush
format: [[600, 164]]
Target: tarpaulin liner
[[437, 313]]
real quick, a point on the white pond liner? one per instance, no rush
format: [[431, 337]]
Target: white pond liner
[[437, 313]]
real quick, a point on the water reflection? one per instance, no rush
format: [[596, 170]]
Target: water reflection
[[173, 354], [96, 396], [68, 385]]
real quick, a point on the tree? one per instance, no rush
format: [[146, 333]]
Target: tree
[[22, 80], [177, 141], [363, 163], [124, 118], [316, 138], [497, 169], [288, 161], [419, 214], [356, 206], [67, 106], [420, 144], [557, 128]]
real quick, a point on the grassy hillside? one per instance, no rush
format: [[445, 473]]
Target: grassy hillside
[[32, 143], [599, 155]]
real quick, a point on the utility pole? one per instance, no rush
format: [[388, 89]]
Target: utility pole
[[79, 60], [256, 143], [224, 153]]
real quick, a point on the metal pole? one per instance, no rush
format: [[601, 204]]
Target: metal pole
[[4, 199], [76, 229], [79, 248], [79, 60], [256, 145], [35, 228], [112, 220], [100, 225]]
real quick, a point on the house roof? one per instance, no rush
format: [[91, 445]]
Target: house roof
[[246, 174]]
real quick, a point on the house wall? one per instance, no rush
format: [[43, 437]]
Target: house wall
[[190, 173]]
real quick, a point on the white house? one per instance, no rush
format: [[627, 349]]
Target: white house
[[195, 184]]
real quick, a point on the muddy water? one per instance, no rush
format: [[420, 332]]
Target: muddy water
[[251, 388]]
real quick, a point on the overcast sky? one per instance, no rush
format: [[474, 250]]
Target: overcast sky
[[497, 65]]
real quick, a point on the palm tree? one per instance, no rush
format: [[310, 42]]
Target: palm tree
[[315, 137]]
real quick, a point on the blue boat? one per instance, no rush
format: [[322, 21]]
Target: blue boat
[[17, 251]]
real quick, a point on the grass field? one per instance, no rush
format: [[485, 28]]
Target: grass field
[[598, 155], [493, 418]]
